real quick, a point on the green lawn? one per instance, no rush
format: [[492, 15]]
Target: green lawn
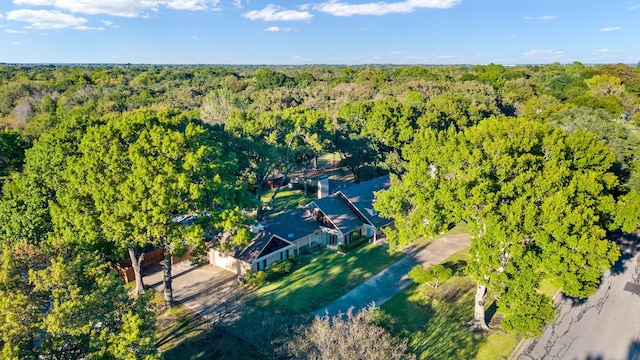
[[325, 277], [433, 320], [287, 199]]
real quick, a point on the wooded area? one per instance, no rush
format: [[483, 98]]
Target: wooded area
[[542, 162]]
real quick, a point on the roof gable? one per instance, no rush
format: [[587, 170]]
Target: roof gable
[[274, 245], [361, 197]]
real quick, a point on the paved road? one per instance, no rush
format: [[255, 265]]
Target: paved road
[[384, 285], [605, 326], [206, 290]]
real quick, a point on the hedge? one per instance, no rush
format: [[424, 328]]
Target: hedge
[[353, 244]]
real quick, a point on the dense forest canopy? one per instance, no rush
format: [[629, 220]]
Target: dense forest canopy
[[542, 161]]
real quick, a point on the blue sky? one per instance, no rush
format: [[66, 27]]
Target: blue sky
[[321, 32]]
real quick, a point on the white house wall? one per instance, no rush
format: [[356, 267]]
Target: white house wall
[[228, 262], [309, 241], [271, 258]]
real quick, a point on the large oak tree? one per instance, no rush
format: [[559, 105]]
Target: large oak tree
[[537, 200]]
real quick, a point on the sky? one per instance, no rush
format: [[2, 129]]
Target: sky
[[348, 32]]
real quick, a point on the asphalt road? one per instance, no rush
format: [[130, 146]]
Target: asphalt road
[[605, 326]]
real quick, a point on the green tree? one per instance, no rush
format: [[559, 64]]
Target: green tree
[[12, 150], [57, 304], [537, 201], [433, 275], [24, 208], [310, 135], [135, 173], [260, 148]]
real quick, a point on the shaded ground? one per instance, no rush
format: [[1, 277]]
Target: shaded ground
[[208, 290], [384, 285], [604, 326]]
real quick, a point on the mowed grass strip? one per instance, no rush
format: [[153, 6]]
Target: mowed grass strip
[[434, 319], [326, 277]]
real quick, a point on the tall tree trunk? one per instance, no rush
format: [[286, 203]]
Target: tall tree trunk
[[168, 289], [479, 322], [136, 263], [305, 162]]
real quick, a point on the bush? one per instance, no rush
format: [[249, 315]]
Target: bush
[[255, 278], [278, 269], [353, 244], [273, 272], [433, 275]]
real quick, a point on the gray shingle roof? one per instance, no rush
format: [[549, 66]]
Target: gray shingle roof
[[302, 222], [299, 222], [339, 213], [362, 195]]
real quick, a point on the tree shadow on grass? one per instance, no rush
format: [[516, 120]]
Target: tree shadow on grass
[[457, 267], [445, 336], [214, 343]]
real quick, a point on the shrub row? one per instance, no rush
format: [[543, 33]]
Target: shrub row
[[353, 244], [273, 272]]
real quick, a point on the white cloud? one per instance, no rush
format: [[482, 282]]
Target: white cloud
[[634, 7], [614, 28], [542, 18], [337, 8], [277, 29], [273, 13], [543, 54], [237, 3], [10, 31], [45, 19], [16, 43], [127, 8], [84, 28]]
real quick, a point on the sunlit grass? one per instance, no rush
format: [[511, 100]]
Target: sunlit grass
[[326, 276], [287, 199], [434, 319]]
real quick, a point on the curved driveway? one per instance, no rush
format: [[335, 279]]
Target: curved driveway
[[384, 285]]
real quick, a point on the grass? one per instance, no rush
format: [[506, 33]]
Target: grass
[[433, 319], [323, 278], [181, 334], [287, 199]]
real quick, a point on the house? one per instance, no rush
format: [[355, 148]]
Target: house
[[342, 212]]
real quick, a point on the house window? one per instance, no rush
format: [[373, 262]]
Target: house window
[[262, 265], [333, 239], [347, 238], [368, 232], [284, 254]]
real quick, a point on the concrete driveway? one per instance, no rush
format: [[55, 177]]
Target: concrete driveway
[[602, 327], [386, 284], [207, 290]]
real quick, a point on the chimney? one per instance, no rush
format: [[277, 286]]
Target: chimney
[[323, 186]]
